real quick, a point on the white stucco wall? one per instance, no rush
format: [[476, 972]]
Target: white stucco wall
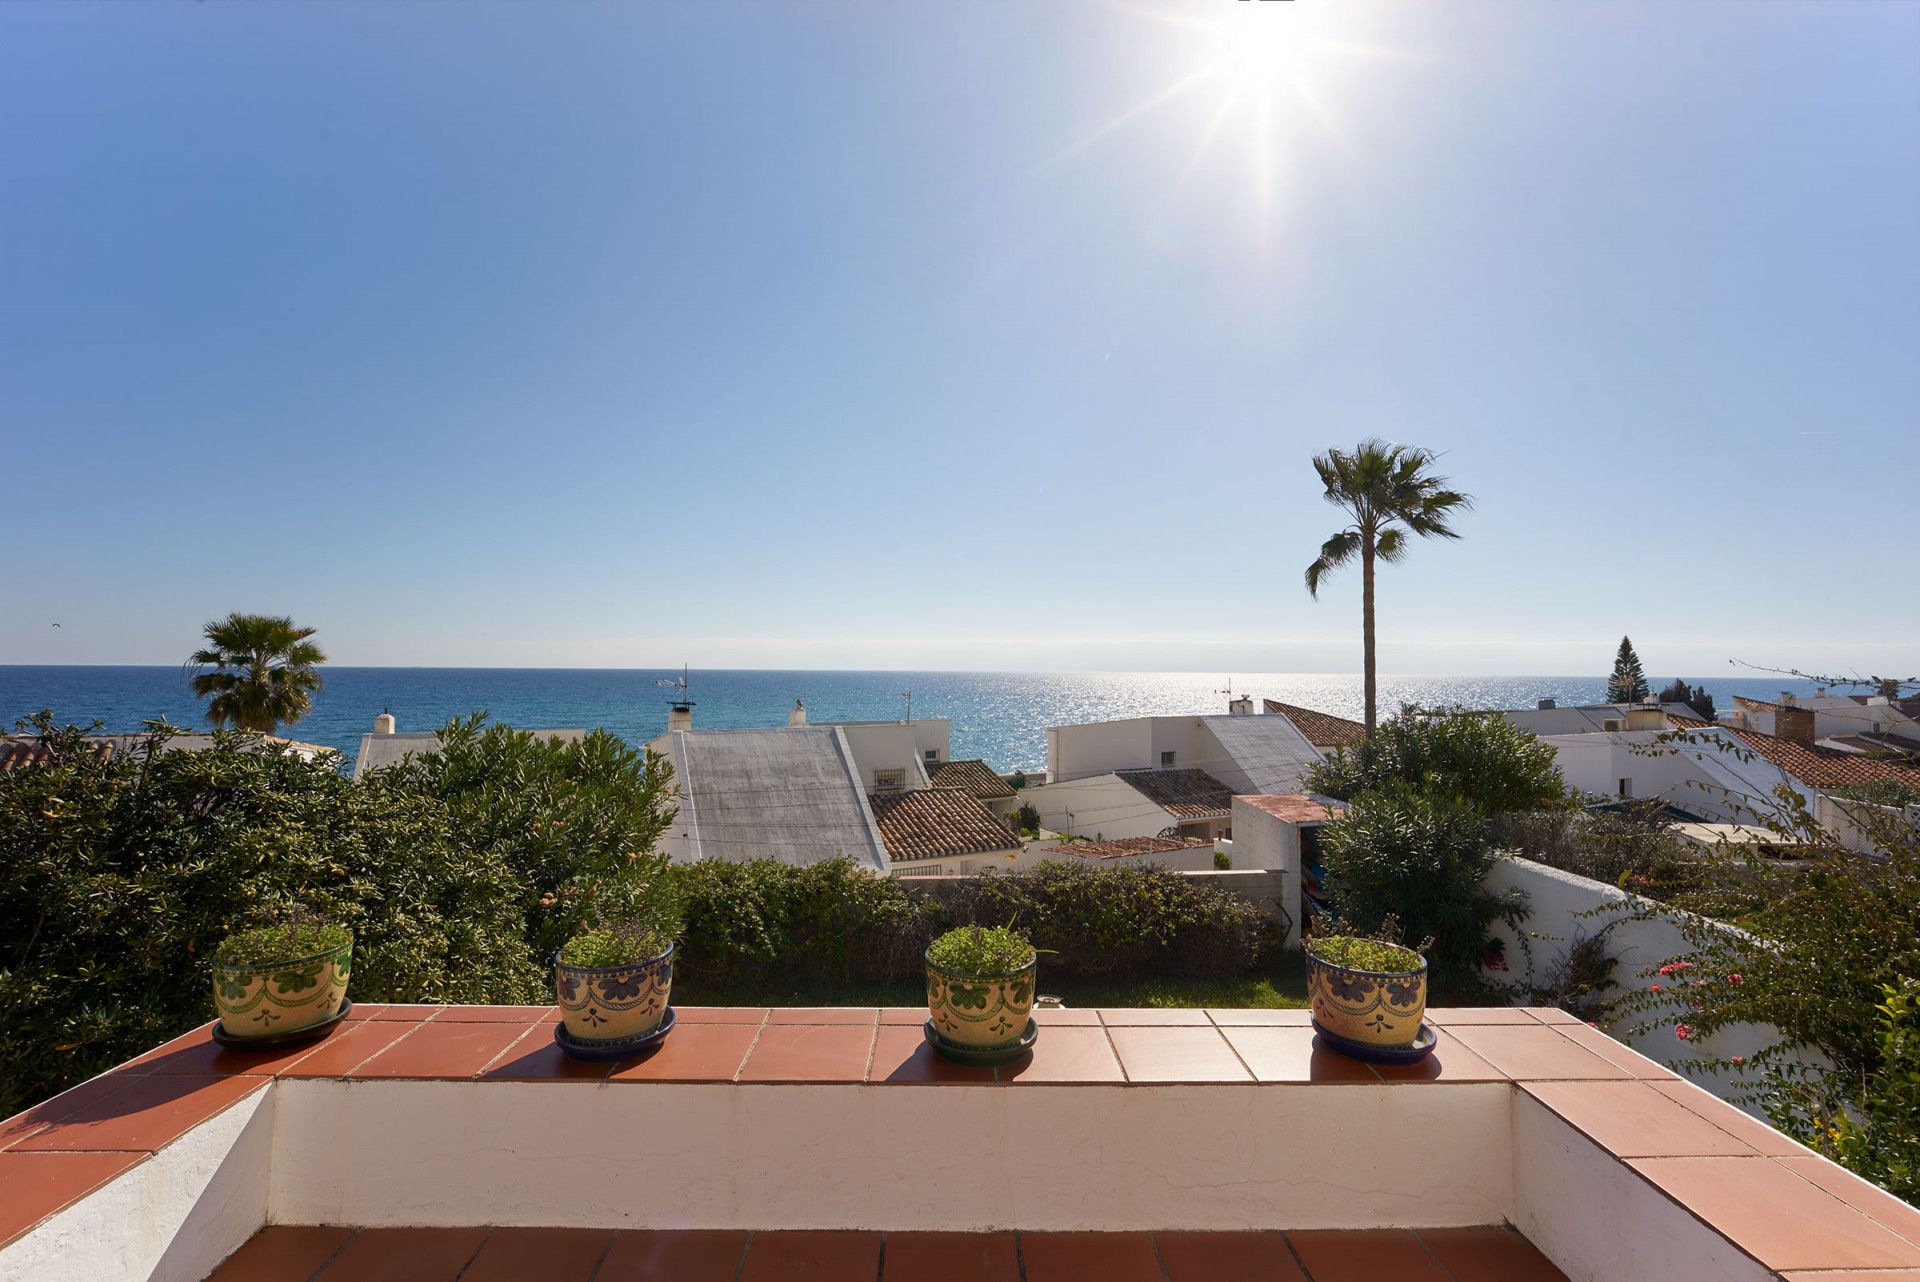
[[1261, 841], [825, 1157], [1101, 806], [172, 1218], [1564, 907]]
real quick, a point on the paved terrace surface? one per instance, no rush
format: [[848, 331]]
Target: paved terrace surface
[[1796, 1215], [597, 1255]]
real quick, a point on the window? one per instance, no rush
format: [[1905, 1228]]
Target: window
[[933, 754], [889, 780], [1626, 789], [1166, 759]]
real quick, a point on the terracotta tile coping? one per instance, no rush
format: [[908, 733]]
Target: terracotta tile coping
[[331, 1254], [1696, 1149]]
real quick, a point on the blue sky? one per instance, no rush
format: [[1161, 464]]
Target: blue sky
[[958, 335]]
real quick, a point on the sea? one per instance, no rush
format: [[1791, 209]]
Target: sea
[[999, 716]]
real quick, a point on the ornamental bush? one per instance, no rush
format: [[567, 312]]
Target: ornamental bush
[[120, 878], [1479, 758], [1423, 859]]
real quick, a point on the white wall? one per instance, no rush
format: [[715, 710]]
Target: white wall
[[1564, 907], [1261, 841], [1099, 806], [1692, 776], [889, 745]]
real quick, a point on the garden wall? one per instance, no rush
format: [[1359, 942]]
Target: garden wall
[[1565, 907], [1264, 888]]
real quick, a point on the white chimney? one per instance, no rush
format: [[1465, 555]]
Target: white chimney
[[1548, 705], [1241, 707], [798, 715], [383, 724], [679, 716]]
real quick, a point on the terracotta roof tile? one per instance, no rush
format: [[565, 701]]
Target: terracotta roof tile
[[935, 823], [1188, 793], [1323, 729], [973, 774], [18, 754], [1125, 846], [1819, 767], [1295, 808]]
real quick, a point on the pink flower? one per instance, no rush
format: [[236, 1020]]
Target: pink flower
[[1699, 983], [1667, 969], [1738, 1059], [1655, 987], [1683, 965], [1733, 979], [1683, 1031]]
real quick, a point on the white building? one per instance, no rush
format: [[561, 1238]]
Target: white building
[[387, 746], [1149, 776], [1708, 772]]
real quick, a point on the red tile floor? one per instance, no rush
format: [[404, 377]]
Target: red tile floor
[[598, 1255]]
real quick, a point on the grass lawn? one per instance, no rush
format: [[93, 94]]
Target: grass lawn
[[1281, 987]]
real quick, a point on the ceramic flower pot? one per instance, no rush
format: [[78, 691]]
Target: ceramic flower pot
[[268, 1001], [614, 1003], [1375, 1008], [981, 1012]]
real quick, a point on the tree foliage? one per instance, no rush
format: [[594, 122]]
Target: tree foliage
[[1420, 855], [120, 877], [1392, 494], [1477, 757], [1628, 684], [1695, 697], [257, 671]]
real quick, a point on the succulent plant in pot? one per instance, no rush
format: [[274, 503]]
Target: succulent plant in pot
[[1368, 996], [613, 983], [980, 988], [282, 980]]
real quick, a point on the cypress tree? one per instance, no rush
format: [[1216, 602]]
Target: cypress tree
[[1628, 684]]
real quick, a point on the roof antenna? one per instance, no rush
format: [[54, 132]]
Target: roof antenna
[[908, 696]]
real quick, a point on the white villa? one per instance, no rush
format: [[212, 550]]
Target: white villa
[[1172, 776]]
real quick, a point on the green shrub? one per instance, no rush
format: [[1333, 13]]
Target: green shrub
[[1476, 757], [614, 946], [980, 950], [1405, 854], [1870, 1125], [120, 878], [1364, 954], [1136, 922], [274, 945]]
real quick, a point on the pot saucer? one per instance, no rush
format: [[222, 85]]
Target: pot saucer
[[1422, 1046], [605, 1052], [292, 1037], [981, 1056]]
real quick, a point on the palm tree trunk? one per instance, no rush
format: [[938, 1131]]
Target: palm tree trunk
[[1366, 626]]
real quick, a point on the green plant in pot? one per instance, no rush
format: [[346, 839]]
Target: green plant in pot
[[1368, 996], [281, 980], [613, 983], [980, 986]]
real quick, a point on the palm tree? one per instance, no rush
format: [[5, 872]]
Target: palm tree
[[262, 671], [1390, 493]]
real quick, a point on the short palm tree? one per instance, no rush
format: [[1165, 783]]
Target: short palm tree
[[257, 671], [1390, 493]]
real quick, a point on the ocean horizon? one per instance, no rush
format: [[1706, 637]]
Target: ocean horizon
[[999, 716]]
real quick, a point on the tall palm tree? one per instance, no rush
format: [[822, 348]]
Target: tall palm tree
[[1390, 493], [262, 671]]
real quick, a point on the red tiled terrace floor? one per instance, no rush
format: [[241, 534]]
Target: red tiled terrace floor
[[597, 1255]]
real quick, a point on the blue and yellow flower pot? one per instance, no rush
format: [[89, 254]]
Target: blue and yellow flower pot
[[1371, 1007], [613, 1004], [286, 997], [981, 1012]]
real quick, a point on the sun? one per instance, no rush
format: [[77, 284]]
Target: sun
[[1264, 74]]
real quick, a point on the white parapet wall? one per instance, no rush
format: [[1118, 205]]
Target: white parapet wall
[[893, 1158], [172, 1218], [1564, 907]]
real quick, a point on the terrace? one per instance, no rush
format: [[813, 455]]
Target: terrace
[[440, 1143]]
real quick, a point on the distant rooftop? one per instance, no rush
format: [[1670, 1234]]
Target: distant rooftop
[[789, 793], [1323, 729], [935, 823], [21, 751], [1187, 794], [973, 774], [378, 751], [1124, 847], [1295, 807]]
